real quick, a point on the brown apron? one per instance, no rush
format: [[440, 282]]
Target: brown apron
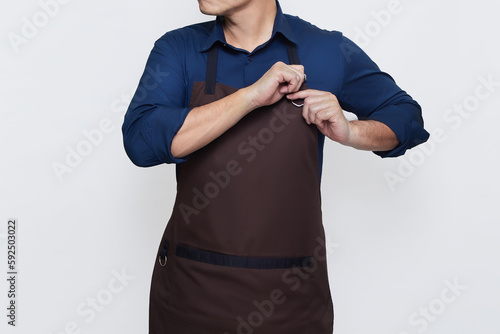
[[244, 250]]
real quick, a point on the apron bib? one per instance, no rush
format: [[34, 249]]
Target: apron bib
[[244, 250]]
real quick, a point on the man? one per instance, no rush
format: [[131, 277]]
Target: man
[[242, 105]]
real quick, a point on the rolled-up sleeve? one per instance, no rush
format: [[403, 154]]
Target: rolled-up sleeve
[[373, 95], [157, 111]]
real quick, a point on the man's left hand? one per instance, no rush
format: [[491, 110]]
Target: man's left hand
[[323, 109]]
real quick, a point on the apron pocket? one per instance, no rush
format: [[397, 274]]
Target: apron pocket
[[221, 259], [222, 293]]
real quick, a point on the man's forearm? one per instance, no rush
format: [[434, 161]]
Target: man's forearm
[[371, 135], [204, 124]]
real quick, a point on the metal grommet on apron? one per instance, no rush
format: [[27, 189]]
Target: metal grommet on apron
[[162, 257], [245, 242]]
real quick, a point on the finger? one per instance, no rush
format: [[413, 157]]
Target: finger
[[332, 115], [303, 94], [323, 115], [317, 108], [311, 102], [313, 109], [321, 125], [302, 76], [305, 113], [299, 68], [293, 81]]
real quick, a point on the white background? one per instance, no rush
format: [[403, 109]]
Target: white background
[[395, 247]]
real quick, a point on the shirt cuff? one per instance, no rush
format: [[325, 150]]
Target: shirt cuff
[[160, 127], [409, 129]]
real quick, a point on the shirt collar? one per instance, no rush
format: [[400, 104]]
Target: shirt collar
[[281, 26]]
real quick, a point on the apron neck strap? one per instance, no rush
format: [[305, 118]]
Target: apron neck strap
[[213, 55], [293, 55]]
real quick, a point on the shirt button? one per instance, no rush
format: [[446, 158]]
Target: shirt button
[[250, 58]]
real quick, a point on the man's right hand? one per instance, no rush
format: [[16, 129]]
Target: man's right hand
[[281, 79]]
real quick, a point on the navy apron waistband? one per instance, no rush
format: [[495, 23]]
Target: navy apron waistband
[[240, 261]]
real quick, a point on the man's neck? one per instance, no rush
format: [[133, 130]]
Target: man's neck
[[250, 26]]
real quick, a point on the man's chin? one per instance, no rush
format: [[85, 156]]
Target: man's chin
[[204, 9], [207, 12]]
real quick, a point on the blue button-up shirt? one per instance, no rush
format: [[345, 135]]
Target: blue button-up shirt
[[332, 63]]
